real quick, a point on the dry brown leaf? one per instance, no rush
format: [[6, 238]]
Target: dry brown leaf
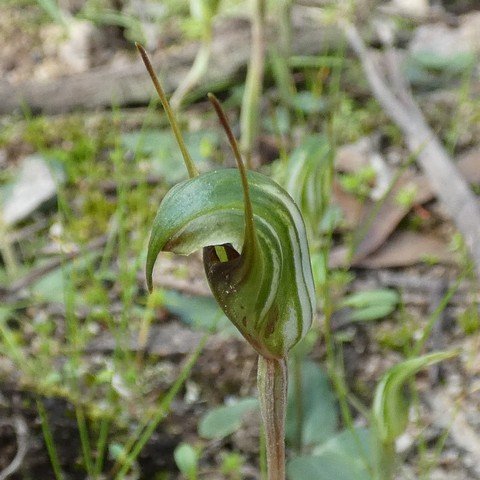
[[380, 225], [408, 248], [354, 156], [384, 222], [349, 204]]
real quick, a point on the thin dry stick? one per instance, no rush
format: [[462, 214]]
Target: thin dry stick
[[127, 84], [49, 266], [446, 181], [21, 431]]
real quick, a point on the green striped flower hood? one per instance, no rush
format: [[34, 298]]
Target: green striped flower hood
[[261, 276]]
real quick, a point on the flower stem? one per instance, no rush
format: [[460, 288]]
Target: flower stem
[[272, 388], [249, 114], [298, 391], [385, 461], [195, 74]]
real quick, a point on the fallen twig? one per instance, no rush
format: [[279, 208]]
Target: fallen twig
[[26, 232], [37, 273], [128, 85], [381, 220], [451, 189]]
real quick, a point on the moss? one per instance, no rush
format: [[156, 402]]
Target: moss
[[395, 336]]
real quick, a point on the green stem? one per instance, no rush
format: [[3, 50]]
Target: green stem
[[253, 84], [298, 391], [7, 252], [281, 52], [272, 388], [285, 28], [198, 70], [385, 461], [49, 442], [9, 259], [146, 428], [263, 455], [85, 441]]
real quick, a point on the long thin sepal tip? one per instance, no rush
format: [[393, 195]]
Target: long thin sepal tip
[[192, 170], [238, 157]]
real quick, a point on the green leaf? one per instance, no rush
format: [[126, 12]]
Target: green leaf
[[320, 415], [279, 123], [390, 403], [431, 70], [163, 150], [372, 304], [265, 287], [186, 458], [5, 312], [372, 312], [50, 287], [454, 64], [53, 286], [354, 444], [54, 11], [116, 451], [327, 466], [204, 10], [371, 297], [200, 312], [307, 102], [222, 421]]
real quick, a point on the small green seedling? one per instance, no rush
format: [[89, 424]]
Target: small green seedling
[[186, 458], [256, 260], [232, 464]]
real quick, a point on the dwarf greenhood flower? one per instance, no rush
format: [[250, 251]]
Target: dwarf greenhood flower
[[255, 249], [264, 282], [256, 260]]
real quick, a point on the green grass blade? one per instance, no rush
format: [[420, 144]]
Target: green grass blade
[[149, 426], [84, 440], [47, 435]]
